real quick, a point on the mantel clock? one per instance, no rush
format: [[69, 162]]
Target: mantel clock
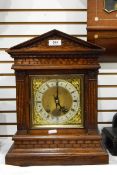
[[56, 87]]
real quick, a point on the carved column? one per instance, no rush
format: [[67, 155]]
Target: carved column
[[92, 101], [20, 97]]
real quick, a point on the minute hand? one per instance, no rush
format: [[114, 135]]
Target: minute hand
[[56, 97], [57, 90], [61, 108]]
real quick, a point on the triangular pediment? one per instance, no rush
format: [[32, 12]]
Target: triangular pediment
[[54, 41]]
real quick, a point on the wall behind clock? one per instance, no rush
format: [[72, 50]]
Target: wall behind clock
[[22, 20]]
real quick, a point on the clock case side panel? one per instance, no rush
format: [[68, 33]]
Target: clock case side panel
[[22, 100], [91, 101]]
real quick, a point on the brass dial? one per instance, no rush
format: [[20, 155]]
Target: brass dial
[[56, 101]]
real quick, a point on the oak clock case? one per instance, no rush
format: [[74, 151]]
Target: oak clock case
[[56, 88], [57, 101]]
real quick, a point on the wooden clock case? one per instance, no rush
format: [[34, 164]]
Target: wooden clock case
[[69, 146], [102, 29]]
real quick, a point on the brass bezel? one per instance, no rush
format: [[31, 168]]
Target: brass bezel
[[64, 76]]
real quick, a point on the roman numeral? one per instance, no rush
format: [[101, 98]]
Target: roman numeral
[[40, 110], [38, 101], [75, 101], [72, 92], [72, 109], [47, 85]]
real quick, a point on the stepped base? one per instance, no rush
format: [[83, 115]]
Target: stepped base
[[56, 150]]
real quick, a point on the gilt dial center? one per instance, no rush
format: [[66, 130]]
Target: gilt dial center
[[57, 101]]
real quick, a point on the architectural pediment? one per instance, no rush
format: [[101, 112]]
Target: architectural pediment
[[54, 42]]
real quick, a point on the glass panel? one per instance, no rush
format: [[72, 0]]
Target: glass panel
[[110, 5]]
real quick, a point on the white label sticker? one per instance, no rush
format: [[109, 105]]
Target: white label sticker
[[55, 42], [54, 131]]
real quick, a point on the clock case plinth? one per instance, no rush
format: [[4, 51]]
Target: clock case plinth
[[68, 146]]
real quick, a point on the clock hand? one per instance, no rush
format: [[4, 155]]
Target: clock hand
[[56, 97], [57, 90], [57, 101], [59, 107]]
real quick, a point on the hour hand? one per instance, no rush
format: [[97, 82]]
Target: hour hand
[[61, 108], [57, 89], [56, 101]]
